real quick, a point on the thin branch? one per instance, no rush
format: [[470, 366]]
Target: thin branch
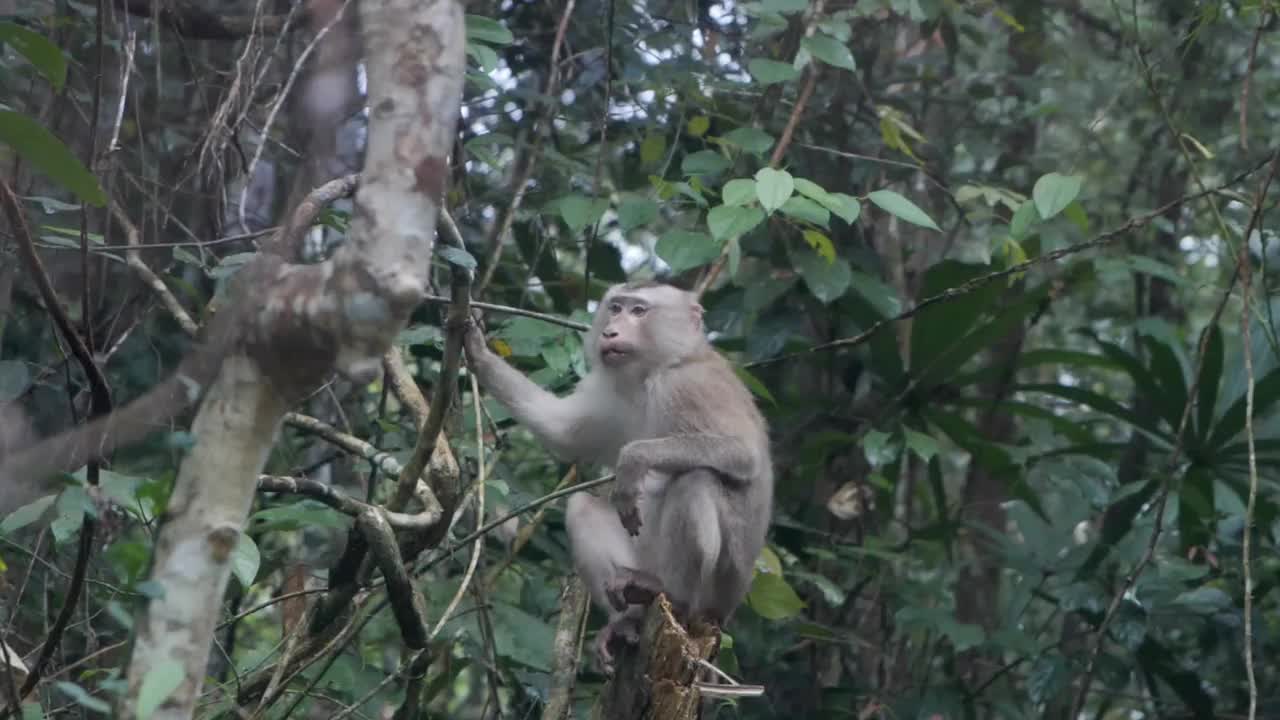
[[813, 15], [524, 172], [1248, 79], [977, 283], [345, 504], [489, 526], [1174, 456], [456, 322], [1245, 270], [191, 20], [101, 405], [553, 319], [481, 478]]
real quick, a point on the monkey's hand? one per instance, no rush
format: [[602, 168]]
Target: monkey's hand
[[473, 340], [626, 496]]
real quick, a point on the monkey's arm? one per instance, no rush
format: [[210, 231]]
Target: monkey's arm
[[559, 423], [730, 457]]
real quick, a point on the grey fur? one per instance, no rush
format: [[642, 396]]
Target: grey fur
[[692, 503]]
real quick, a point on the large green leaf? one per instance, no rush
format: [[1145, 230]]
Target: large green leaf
[[684, 250], [47, 153], [1265, 394], [939, 327], [1145, 382], [1169, 374], [43, 55], [1197, 518], [1210, 381], [1100, 403]]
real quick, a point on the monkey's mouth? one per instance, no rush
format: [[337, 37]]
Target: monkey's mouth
[[613, 354]]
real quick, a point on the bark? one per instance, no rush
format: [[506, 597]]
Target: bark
[[655, 680], [300, 323]]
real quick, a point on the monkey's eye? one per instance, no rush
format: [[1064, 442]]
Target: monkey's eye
[[639, 310], [615, 308]]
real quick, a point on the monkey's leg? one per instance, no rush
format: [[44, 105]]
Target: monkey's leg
[[632, 586], [622, 630], [688, 541], [602, 550]]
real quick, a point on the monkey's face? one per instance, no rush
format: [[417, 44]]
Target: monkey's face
[[622, 339]]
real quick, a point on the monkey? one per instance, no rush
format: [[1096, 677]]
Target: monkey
[[693, 494]]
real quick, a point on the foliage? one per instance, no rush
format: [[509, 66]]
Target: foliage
[[1030, 478]]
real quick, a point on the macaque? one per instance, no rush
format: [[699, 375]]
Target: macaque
[[694, 490]]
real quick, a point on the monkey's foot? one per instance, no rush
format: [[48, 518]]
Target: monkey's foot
[[623, 629], [632, 587]]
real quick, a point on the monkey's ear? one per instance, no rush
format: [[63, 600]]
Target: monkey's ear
[[695, 312]]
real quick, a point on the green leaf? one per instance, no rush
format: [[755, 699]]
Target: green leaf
[[784, 6], [698, 126], [1054, 192], [821, 244], [731, 221], [882, 297], [488, 30], [47, 153], [846, 207], [486, 58], [522, 637], [456, 256], [768, 72], [580, 212], [830, 51], [32, 711], [1210, 380], [43, 55], [739, 191], [704, 162], [1265, 393], [82, 697], [802, 208], [773, 598], [752, 140], [72, 505], [653, 149], [683, 250], [773, 188], [1024, 218], [245, 560], [826, 280], [923, 445], [753, 384], [26, 514], [15, 378], [894, 204], [634, 213], [157, 685]]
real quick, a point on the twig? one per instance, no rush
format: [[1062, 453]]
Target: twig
[[564, 649], [345, 504], [489, 526], [814, 14], [520, 183], [456, 321], [134, 259], [977, 283], [1245, 269], [101, 404], [481, 477], [1149, 553], [553, 319], [275, 107], [1248, 78]]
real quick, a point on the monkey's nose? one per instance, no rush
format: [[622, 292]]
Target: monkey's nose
[[609, 333]]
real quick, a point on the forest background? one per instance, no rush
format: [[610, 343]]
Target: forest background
[[998, 274]]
